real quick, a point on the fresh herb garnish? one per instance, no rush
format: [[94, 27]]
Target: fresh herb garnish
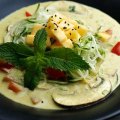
[[65, 59], [34, 61], [33, 73], [40, 41], [12, 52], [72, 8]]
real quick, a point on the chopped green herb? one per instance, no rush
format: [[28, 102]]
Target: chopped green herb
[[12, 52], [72, 8]]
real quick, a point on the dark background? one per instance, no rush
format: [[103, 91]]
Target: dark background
[[111, 7]]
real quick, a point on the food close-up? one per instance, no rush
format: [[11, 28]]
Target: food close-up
[[59, 55]]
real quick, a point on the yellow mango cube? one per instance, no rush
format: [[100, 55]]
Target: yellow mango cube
[[67, 43], [51, 25], [64, 25], [103, 36], [50, 34], [73, 35], [72, 21], [59, 34], [56, 18], [82, 30], [36, 28], [29, 39]]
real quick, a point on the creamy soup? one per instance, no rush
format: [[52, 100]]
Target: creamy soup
[[85, 87]]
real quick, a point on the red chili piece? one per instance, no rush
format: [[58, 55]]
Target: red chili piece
[[28, 14], [116, 49]]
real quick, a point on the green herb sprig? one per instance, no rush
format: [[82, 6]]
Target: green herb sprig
[[37, 59]]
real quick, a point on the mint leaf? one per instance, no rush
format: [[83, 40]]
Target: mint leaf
[[40, 41], [62, 64], [33, 60], [32, 77], [8, 54], [21, 49], [65, 59], [28, 62], [12, 52], [33, 73]]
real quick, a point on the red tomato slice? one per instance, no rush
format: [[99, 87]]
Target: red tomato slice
[[116, 49], [27, 14], [55, 74], [7, 79], [4, 66], [14, 87]]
